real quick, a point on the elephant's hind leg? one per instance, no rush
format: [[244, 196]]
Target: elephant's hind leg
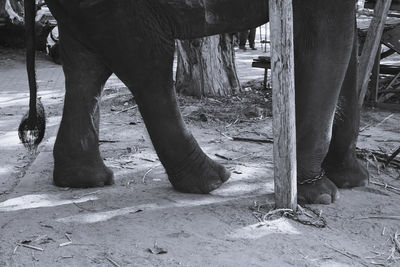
[[138, 47], [77, 160], [341, 164], [189, 169], [149, 75]]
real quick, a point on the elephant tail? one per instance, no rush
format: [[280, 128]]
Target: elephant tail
[[32, 127]]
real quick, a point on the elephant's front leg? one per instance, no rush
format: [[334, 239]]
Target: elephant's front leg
[[189, 169], [324, 32], [77, 160]]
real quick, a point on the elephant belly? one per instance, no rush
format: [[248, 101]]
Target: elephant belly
[[179, 19], [198, 18]]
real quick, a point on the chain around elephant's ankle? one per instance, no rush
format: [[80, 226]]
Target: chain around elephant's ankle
[[314, 179]]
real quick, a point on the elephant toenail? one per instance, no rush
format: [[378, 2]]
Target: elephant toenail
[[323, 199], [336, 196], [224, 175], [363, 183]]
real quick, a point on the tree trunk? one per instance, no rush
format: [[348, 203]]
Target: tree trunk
[[206, 67]]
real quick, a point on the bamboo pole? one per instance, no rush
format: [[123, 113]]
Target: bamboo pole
[[372, 43], [282, 67]]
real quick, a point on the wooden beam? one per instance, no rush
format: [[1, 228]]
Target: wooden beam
[[373, 85], [372, 43], [283, 105]]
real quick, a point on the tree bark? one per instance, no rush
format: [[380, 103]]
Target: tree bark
[[206, 67]]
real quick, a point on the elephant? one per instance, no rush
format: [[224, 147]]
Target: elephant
[[134, 39]]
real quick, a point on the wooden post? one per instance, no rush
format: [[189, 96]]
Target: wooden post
[[283, 106], [373, 84], [372, 43]]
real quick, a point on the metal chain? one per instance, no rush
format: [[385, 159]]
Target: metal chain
[[303, 215], [314, 179]]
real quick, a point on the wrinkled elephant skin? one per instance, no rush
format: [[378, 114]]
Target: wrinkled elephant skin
[[135, 40]]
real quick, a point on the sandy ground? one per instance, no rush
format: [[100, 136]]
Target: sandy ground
[[142, 221]]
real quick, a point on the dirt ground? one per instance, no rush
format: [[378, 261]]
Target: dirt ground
[[142, 221]]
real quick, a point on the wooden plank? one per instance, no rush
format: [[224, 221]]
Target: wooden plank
[[374, 81], [261, 65], [282, 63], [371, 46], [387, 93], [391, 38], [387, 53], [389, 69]]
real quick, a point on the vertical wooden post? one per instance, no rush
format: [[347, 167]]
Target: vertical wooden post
[[373, 84], [282, 67], [372, 43]]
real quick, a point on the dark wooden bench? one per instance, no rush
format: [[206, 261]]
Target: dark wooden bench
[[263, 62]]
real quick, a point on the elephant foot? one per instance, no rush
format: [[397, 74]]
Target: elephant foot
[[199, 175], [350, 173], [322, 191], [82, 174]]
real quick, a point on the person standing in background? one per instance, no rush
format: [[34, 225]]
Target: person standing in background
[[247, 35]]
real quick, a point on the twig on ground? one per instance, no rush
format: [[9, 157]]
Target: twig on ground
[[108, 141], [126, 109], [31, 247], [246, 155], [387, 141], [348, 254], [387, 217], [257, 217], [82, 208], [222, 157], [248, 139], [230, 159], [391, 255], [378, 156], [396, 242], [392, 157], [151, 169], [230, 138], [255, 140], [149, 160], [65, 244], [113, 262], [344, 253], [377, 165], [157, 250], [387, 186], [377, 255], [68, 237], [376, 125], [233, 123], [39, 238], [15, 249], [33, 256], [64, 257], [377, 263], [371, 162]]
